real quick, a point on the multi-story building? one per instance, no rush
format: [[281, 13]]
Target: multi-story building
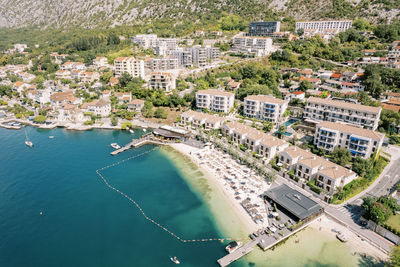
[[100, 107], [99, 62], [198, 119], [195, 56], [69, 65], [129, 65], [136, 105], [161, 46], [326, 27], [157, 64], [320, 109], [260, 46], [215, 100], [264, 28], [264, 144], [307, 166], [145, 40], [360, 142], [265, 107], [163, 81], [184, 57]]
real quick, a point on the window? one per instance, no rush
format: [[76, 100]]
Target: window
[[307, 170], [300, 167], [329, 182], [299, 173]]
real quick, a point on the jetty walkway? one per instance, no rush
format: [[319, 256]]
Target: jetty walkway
[[146, 139], [264, 241]]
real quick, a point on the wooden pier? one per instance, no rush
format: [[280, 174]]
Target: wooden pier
[[240, 252], [264, 241], [148, 139]]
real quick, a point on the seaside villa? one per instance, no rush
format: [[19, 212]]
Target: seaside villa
[[199, 119], [307, 167], [264, 144]]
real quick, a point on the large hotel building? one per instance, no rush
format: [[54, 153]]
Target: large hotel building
[[215, 100], [264, 107], [360, 142], [320, 109]]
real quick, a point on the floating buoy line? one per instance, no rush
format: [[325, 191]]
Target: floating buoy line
[[140, 208]]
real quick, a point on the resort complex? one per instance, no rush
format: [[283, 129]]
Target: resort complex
[[271, 135]]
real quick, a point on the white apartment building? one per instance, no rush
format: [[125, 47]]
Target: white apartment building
[[20, 47], [264, 144], [100, 107], [145, 40], [70, 65], [129, 65], [360, 142], [99, 62], [195, 56], [198, 119], [260, 46], [161, 46], [163, 81], [264, 107], [324, 27], [307, 166], [157, 64], [322, 109], [215, 100]]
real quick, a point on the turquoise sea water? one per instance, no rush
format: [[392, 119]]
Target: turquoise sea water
[[84, 223]]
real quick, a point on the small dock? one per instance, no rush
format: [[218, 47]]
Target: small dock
[[264, 241], [240, 252], [147, 139]]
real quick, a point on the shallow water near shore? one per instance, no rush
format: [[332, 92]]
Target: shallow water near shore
[[84, 223]]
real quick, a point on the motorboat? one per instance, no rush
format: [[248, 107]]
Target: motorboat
[[131, 131], [51, 137], [29, 143], [115, 146], [232, 246], [175, 260], [342, 237]]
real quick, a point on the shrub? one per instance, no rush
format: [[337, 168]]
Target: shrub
[[39, 119], [313, 187]]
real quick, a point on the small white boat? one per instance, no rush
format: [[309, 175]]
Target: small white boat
[[175, 260], [234, 245], [342, 237], [131, 131], [51, 137], [115, 146], [144, 129], [29, 143]]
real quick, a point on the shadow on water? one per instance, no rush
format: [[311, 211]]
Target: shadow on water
[[367, 261]]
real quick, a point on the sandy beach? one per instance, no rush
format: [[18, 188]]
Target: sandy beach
[[354, 243], [322, 227], [241, 217]]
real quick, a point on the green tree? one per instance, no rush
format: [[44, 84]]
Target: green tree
[[267, 126], [39, 119], [305, 85], [114, 121], [394, 258], [160, 113], [361, 166], [147, 109], [341, 156]]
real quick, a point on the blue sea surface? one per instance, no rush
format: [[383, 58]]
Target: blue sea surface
[[83, 222]]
